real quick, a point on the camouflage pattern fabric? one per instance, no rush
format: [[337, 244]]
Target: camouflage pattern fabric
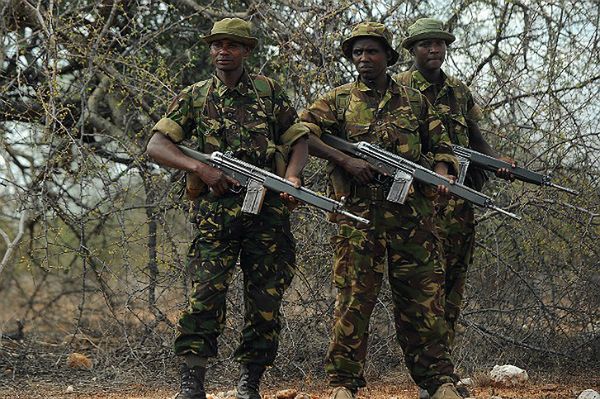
[[252, 120], [455, 105], [266, 251], [405, 233], [249, 120], [388, 121]]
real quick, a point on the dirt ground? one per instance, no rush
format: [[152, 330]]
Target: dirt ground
[[534, 390]]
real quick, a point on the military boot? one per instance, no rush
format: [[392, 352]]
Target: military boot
[[250, 375], [342, 393], [446, 391], [192, 382]]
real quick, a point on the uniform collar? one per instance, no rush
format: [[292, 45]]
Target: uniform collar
[[243, 87], [392, 86], [423, 84]]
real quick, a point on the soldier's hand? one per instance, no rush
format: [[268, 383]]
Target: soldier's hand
[[218, 182], [361, 170], [290, 201], [441, 168], [505, 173], [444, 190]]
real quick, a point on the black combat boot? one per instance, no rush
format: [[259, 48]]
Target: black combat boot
[[192, 382], [250, 375]]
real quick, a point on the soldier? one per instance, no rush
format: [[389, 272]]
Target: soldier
[[251, 116], [375, 108], [427, 42]]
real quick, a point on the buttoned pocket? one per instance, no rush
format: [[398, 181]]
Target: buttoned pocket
[[403, 135]]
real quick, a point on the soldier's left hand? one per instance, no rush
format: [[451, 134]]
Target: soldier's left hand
[[290, 201], [441, 168], [505, 173], [444, 190]]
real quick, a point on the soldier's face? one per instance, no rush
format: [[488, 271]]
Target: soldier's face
[[228, 55], [370, 58], [429, 54]]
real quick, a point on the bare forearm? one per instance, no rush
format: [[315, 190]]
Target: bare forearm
[[319, 149], [441, 168], [298, 158], [166, 153]]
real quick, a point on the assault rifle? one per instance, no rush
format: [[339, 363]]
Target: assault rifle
[[404, 172], [256, 181], [467, 156]]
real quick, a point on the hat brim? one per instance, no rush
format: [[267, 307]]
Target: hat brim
[[249, 41], [347, 47], [440, 34]]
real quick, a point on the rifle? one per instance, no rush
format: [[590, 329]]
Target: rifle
[[405, 171], [256, 181], [467, 156]]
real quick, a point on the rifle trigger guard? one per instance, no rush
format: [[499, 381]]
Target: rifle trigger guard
[[236, 189]]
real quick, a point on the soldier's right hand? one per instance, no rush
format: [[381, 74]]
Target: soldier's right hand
[[218, 182], [361, 170]]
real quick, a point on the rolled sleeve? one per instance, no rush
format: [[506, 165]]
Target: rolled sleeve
[[321, 116], [178, 122], [169, 128], [294, 133]]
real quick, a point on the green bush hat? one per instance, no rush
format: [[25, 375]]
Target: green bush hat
[[370, 29], [427, 28], [232, 28]]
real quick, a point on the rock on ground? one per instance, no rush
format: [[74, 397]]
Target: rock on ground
[[508, 376], [589, 394]]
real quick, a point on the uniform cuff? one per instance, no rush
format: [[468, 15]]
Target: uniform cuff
[[313, 128], [294, 132], [451, 160], [169, 128]]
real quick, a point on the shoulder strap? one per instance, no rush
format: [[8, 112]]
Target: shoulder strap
[[342, 102]]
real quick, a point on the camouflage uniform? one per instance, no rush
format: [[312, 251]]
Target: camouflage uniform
[[254, 121], [454, 104], [406, 233]]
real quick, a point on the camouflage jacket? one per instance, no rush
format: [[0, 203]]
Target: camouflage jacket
[[254, 120], [455, 106], [453, 102], [401, 121]]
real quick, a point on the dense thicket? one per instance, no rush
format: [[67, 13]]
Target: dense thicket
[[95, 235]]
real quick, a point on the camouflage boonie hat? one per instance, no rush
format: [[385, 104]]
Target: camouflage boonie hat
[[427, 28], [232, 28], [370, 29]]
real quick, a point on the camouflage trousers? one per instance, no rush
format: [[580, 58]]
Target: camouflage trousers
[[407, 234], [457, 228], [266, 251]]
